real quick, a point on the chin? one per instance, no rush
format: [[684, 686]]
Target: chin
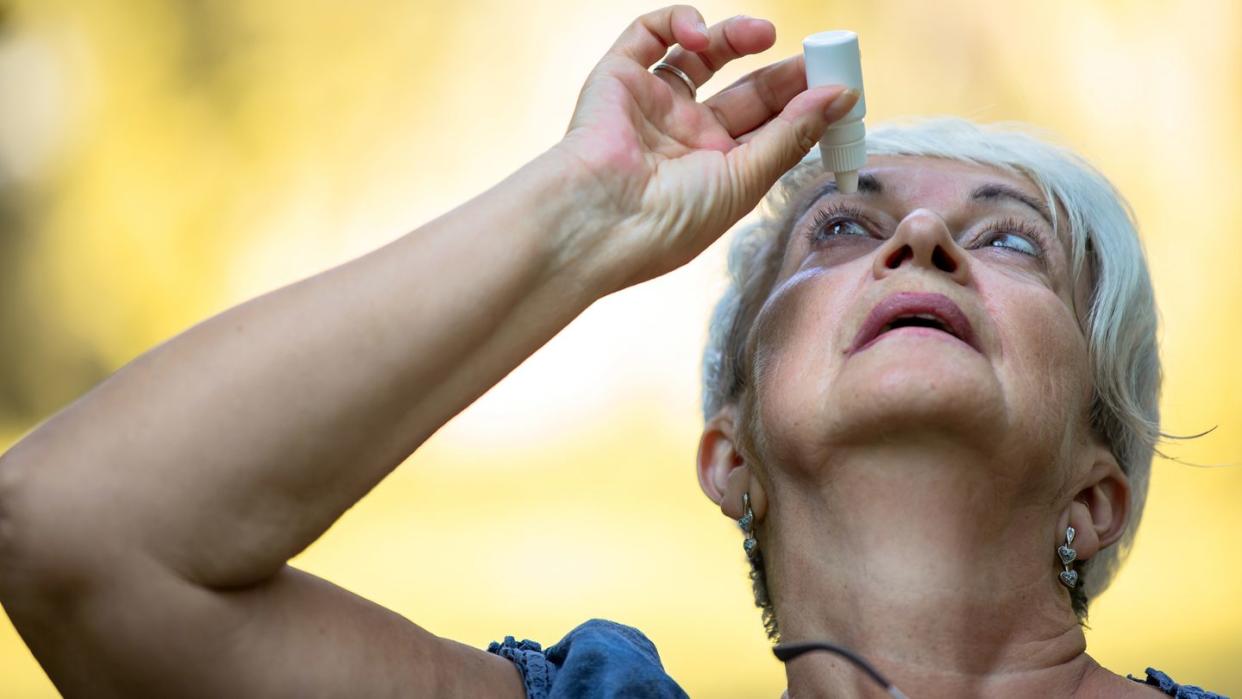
[[882, 397], [903, 399], [911, 382]]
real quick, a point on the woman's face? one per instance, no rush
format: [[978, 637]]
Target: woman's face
[[935, 302]]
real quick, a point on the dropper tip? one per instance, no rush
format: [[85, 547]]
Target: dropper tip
[[847, 181]]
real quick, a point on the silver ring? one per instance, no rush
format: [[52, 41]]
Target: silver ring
[[662, 65]]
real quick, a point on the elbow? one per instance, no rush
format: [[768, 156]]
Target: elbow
[[10, 480], [10, 485], [36, 534], [16, 542]]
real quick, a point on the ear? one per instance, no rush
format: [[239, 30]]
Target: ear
[[723, 472], [1101, 507]]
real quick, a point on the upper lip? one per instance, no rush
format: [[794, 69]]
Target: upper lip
[[937, 309]]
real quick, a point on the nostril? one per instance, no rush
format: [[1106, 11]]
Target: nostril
[[943, 261], [899, 256]]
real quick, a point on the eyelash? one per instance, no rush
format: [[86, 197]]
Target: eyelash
[[837, 212], [1015, 225], [840, 212]]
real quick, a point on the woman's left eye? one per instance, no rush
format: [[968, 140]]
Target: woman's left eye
[[1014, 242], [844, 227]]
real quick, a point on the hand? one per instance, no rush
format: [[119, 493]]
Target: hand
[[674, 174]]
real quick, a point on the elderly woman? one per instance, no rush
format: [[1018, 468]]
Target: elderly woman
[[931, 405]]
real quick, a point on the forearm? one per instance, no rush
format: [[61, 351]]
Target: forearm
[[228, 449]]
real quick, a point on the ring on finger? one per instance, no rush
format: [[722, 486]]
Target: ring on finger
[[669, 67]]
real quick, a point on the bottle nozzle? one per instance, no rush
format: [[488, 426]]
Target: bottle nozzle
[[847, 181]]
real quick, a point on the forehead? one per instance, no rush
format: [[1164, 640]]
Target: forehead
[[925, 179], [954, 188]]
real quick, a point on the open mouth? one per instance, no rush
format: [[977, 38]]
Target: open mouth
[[935, 312], [919, 320]]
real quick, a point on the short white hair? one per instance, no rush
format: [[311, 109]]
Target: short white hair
[[1120, 324]]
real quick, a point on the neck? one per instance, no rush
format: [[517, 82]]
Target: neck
[[932, 570]]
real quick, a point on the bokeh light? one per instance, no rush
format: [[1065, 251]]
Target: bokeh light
[[161, 161]]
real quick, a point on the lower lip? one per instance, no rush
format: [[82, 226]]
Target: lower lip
[[915, 331]]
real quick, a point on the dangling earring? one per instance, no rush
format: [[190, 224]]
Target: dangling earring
[[1069, 576], [747, 523]]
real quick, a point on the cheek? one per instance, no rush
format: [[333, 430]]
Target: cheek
[[797, 353], [1044, 361]]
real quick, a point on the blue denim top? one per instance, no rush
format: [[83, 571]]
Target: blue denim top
[[596, 660], [605, 660], [1166, 684]]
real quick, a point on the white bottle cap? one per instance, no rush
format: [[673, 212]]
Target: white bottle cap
[[833, 58]]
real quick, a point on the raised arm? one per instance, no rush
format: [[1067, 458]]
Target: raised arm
[[145, 529]]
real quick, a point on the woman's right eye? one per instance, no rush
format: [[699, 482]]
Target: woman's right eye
[[836, 224]]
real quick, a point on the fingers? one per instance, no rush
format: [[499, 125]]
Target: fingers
[[648, 38], [759, 96], [756, 164], [728, 40]]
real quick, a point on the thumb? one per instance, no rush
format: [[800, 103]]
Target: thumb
[[755, 165]]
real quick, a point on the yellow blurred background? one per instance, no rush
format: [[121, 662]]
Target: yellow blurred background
[[162, 161]]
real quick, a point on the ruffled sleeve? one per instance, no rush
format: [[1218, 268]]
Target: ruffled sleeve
[[1164, 683], [599, 659]]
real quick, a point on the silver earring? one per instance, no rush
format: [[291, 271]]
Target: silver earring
[[1069, 576], [747, 523]]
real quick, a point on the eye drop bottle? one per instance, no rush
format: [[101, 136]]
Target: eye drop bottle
[[832, 58]]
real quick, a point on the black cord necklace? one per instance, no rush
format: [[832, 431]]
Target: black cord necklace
[[788, 651]]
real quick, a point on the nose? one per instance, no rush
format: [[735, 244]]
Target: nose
[[922, 240]]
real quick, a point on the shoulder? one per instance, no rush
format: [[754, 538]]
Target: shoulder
[[598, 659]]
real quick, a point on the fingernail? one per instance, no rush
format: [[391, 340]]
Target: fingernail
[[842, 102], [700, 27]]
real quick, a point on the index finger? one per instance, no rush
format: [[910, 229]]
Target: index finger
[[649, 37], [727, 41], [758, 96]]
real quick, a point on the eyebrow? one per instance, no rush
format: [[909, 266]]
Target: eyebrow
[[869, 184], [1000, 191]]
